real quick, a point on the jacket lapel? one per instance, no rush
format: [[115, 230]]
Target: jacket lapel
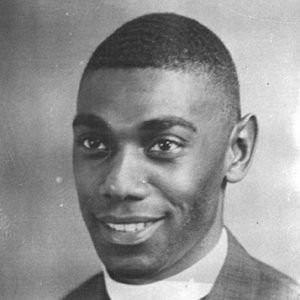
[[238, 277]]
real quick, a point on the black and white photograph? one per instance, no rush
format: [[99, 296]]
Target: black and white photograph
[[150, 150]]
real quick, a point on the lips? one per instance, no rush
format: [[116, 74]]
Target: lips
[[130, 230], [133, 227]]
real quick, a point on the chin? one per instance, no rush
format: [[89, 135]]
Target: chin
[[133, 271], [132, 268]]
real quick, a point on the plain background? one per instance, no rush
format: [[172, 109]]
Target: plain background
[[44, 247]]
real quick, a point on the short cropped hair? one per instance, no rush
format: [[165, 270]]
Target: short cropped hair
[[171, 42]]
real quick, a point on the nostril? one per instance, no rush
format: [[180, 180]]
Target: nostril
[[135, 190], [120, 197], [132, 198]]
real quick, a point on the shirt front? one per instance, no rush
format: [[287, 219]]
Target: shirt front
[[192, 283]]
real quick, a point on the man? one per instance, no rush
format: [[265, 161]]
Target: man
[[157, 136]]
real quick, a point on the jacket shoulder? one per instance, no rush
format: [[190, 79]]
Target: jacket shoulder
[[92, 289], [276, 285], [245, 277]]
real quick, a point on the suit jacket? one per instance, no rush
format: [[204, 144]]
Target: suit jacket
[[241, 277]]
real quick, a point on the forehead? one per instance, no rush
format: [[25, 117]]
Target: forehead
[[148, 93]]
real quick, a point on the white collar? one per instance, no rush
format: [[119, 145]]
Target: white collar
[[193, 283]]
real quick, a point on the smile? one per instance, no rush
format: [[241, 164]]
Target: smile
[[133, 227], [129, 231]]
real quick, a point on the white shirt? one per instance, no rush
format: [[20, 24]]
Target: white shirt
[[192, 283]]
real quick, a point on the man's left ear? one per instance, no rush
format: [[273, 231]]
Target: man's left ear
[[240, 148]]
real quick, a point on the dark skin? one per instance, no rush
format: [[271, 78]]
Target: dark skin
[[152, 147]]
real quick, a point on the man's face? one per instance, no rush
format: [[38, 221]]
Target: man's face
[[149, 149]]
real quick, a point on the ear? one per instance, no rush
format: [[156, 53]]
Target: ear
[[241, 147]]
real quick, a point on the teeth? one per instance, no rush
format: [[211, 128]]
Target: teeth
[[128, 227], [141, 226]]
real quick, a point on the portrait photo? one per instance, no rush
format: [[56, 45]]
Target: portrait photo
[[149, 149]]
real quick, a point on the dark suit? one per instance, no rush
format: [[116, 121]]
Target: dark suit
[[242, 277]]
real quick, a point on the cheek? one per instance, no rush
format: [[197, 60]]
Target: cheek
[[86, 186], [87, 182], [183, 178], [192, 188], [180, 189]]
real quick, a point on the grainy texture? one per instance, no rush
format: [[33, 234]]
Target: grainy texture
[[45, 249], [242, 278]]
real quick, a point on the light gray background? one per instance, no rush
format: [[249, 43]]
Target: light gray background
[[44, 247]]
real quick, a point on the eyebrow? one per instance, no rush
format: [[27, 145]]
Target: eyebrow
[[90, 120], [167, 122], [159, 124]]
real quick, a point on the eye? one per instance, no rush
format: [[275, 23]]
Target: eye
[[94, 144], [165, 146]]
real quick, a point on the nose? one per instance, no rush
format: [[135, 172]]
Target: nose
[[126, 178]]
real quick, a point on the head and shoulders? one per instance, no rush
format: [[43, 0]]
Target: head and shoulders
[[158, 135]]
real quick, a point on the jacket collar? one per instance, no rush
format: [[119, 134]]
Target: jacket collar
[[238, 276]]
